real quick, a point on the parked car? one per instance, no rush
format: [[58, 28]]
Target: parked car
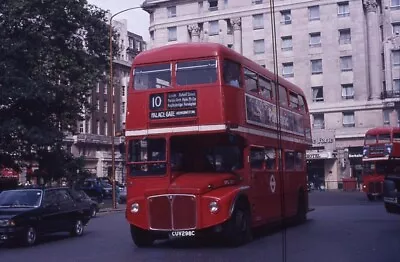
[[26, 214], [81, 196], [98, 189], [122, 196]]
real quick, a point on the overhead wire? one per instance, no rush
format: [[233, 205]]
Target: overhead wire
[[281, 177]]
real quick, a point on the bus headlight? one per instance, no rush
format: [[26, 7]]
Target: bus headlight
[[134, 208], [213, 206]]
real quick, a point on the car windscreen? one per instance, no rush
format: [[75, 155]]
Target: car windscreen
[[21, 198]]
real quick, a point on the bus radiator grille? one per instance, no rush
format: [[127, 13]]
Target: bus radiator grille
[[172, 212]]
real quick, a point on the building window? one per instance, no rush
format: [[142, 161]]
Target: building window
[[386, 117], [171, 11], [349, 119], [313, 13], [105, 128], [172, 33], [258, 21], [346, 63], [395, 3], [122, 90], [98, 127], [286, 17], [396, 57], [316, 66], [396, 28], [287, 43], [347, 91], [98, 87], [319, 121], [287, 69], [343, 9], [105, 106], [213, 28], [317, 93], [259, 46], [230, 46], [257, 2], [81, 130], [396, 86], [123, 107], [213, 5], [315, 39], [97, 105], [105, 88], [344, 36]]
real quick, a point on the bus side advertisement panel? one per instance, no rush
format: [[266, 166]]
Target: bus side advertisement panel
[[263, 113]]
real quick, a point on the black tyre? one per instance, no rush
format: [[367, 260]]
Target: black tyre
[[141, 238], [78, 228], [237, 230], [93, 211], [30, 237]]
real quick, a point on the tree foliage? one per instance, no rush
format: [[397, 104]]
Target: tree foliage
[[52, 53]]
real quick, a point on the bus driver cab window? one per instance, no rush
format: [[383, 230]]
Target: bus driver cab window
[[231, 73]]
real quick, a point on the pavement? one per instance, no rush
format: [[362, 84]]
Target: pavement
[[345, 227]]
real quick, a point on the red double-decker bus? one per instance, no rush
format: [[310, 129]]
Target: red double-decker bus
[[381, 156], [203, 144]]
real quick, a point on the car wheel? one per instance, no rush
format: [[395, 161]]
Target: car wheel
[[93, 211], [30, 236], [78, 228]]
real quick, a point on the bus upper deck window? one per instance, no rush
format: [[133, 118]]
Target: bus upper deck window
[[283, 96], [302, 104], [152, 76], [396, 137], [231, 73], [196, 72], [384, 138]]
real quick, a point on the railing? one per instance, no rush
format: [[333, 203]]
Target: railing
[[390, 94]]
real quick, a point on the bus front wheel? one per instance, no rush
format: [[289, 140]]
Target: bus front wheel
[[237, 230], [141, 238]]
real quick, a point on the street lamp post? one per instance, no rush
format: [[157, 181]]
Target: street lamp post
[[111, 92]]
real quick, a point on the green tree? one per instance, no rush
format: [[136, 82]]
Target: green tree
[[52, 53]]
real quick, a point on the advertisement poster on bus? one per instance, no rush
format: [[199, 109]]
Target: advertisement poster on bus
[[263, 113]]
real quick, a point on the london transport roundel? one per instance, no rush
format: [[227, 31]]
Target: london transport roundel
[[272, 183]]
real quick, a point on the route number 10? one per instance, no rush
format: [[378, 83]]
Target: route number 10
[[156, 101]]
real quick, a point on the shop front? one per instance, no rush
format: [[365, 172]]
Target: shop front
[[321, 160], [355, 159]]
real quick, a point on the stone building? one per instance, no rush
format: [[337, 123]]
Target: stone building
[[344, 55]]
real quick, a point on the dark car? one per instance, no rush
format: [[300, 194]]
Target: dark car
[[26, 214], [98, 189], [82, 197]]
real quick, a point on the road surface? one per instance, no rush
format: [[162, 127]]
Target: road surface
[[344, 227]]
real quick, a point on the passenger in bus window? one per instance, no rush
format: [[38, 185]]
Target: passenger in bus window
[[231, 73]]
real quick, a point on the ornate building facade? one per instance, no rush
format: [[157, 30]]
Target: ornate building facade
[[344, 55]]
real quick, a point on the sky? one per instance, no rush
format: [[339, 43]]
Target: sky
[[138, 20]]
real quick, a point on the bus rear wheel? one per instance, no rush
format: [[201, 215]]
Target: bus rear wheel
[[237, 230], [141, 238]]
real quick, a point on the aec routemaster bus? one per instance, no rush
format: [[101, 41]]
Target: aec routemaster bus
[[382, 146], [203, 148]]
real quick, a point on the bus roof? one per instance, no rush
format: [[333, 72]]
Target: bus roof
[[380, 130], [199, 50]]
